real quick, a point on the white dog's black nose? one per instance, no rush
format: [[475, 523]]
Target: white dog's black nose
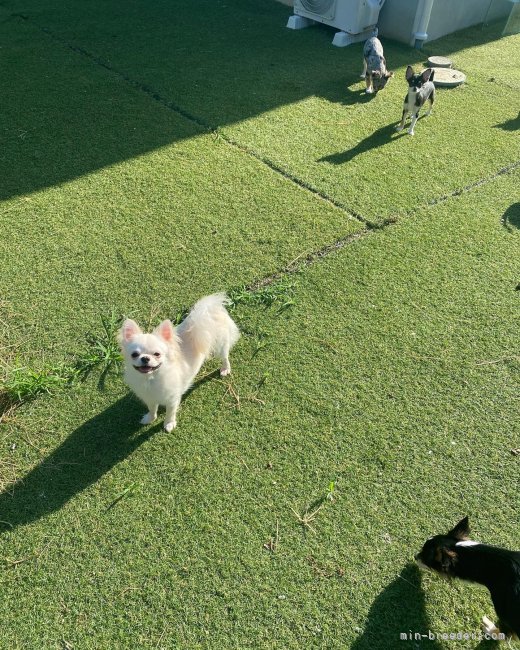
[[145, 360]]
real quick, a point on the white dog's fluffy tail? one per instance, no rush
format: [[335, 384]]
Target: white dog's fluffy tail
[[208, 329]]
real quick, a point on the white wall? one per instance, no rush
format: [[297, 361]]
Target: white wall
[[450, 15], [397, 17]]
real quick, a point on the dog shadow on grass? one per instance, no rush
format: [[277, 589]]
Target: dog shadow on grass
[[511, 217], [397, 615], [82, 459], [88, 453], [346, 96], [510, 125], [376, 139]]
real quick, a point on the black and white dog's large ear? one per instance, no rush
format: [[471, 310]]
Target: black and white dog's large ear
[[461, 530], [409, 73], [427, 75]]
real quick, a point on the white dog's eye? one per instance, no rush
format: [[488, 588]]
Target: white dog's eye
[[156, 354], [134, 355]]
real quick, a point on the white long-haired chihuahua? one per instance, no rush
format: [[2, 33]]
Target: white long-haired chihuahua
[[161, 366]]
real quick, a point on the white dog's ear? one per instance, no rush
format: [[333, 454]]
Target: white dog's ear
[[128, 330], [165, 331]]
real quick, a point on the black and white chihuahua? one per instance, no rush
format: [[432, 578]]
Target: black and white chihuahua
[[420, 89], [454, 555], [374, 66]]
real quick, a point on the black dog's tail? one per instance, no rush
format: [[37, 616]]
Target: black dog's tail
[[432, 74]]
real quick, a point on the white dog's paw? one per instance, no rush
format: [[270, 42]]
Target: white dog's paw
[[411, 132], [225, 368], [362, 75], [369, 91], [398, 128], [148, 418], [488, 627], [170, 426]]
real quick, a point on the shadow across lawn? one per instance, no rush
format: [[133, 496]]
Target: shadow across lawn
[[83, 89], [88, 453], [399, 609], [346, 95], [511, 217], [80, 93], [82, 459], [379, 138], [510, 125]]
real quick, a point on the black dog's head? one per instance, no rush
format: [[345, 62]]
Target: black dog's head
[[439, 554], [416, 81]]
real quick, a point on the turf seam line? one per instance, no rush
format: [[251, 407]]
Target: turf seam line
[[303, 184], [135, 84], [207, 128], [305, 259], [216, 130], [468, 188]]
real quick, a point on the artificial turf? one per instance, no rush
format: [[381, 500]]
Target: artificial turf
[[298, 103], [107, 189], [383, 391]]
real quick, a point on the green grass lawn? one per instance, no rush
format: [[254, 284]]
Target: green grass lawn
[[376, 399], [298, 103]]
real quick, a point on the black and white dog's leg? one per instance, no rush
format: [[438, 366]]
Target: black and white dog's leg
[[363, 74], [412, 124], [400, 126], [431, 99]]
